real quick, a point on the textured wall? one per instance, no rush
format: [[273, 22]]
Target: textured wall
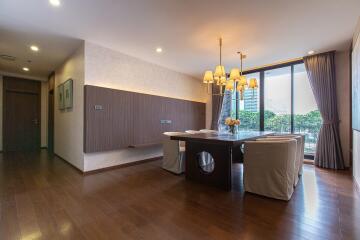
[[69, 124], [108, 68]]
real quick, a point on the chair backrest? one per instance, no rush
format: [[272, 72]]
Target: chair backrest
[[208, 131], [270, 152], [192, 131], [299, 152], [173, 133], [171, 148], [300, 138]]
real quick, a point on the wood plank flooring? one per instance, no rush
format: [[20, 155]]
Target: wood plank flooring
[[42, 197]]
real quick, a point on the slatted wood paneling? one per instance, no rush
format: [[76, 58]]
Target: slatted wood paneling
[[108, 128], [134, 119]]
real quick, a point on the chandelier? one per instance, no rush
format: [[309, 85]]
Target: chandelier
[[236, 80]]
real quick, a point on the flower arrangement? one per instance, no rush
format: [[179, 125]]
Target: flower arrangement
[[232, 123]]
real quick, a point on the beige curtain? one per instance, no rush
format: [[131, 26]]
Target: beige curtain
[[321, 72], [217, 101]]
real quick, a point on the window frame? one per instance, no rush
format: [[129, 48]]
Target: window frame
[[261, 72]]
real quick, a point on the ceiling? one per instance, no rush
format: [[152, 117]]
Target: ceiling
[[187, 30]]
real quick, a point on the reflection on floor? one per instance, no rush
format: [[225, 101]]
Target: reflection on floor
[[43, 197]]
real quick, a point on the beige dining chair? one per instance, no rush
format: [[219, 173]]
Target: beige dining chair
[[299, 153], [269, 168], [301, 150], [174, 154]]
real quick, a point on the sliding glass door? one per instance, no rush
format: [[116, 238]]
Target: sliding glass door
[[283, 103], [307, 119], [277, 100]]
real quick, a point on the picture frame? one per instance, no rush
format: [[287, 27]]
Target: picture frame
[[68, 94], [61, 103]]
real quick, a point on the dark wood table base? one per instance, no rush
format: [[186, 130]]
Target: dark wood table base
[[224, 149], [222, 155]]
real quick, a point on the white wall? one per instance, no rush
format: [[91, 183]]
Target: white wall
[[342, 62], [356, 134], [107, 68], [1, 112], [69, 124]]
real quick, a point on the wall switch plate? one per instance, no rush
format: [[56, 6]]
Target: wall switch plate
[[165, 121], [98, 107]]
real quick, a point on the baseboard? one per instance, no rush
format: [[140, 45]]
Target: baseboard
[[307, 161], [122, 165], [357, 185], [109, 168], [70, 164]]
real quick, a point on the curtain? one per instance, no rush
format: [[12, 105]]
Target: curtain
[[321, 72], [225, 109], [217, 101]]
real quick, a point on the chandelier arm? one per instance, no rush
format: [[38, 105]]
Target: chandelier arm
[[241, 64]]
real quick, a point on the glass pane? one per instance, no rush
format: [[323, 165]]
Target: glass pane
[[307, 119], [277, 100], [249, 106]]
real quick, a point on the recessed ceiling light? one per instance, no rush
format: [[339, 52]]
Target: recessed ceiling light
[[34, 48], [26, 69], [55, 3], [159, 50], [311, 52]]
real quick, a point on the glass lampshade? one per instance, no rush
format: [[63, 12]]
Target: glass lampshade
[[208, 77]]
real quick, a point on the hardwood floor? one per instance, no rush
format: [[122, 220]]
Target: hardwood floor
[[44, 198]]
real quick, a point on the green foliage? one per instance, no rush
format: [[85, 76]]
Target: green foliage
[[308, 124]]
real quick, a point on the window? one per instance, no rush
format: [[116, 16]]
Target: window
[[248, 108], [283, 103], [277, 100], [307, 119]]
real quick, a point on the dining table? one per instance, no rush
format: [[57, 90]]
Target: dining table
[[210, 156]]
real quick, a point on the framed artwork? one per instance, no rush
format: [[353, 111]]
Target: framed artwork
[[61, 97], [68, 93]]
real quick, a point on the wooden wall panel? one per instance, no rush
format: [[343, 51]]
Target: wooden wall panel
[[134, 119], [108, 119], [148, 112]]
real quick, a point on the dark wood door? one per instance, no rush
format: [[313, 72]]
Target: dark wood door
[[51, 122], [21, 115]]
